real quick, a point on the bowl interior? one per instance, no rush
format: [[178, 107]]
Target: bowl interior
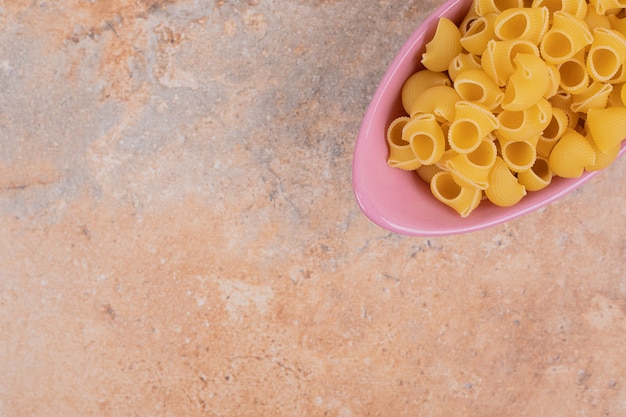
[[400, 201]]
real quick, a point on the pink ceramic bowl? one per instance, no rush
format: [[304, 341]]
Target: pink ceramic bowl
[[400, 201]]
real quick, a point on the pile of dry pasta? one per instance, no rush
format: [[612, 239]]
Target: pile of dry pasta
[[514, 95]]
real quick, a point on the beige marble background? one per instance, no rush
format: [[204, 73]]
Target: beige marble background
[[179, 237]]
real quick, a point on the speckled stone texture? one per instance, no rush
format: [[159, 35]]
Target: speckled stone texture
[[179, 237]]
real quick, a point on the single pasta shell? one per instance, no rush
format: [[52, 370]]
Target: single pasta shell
[[522, 23], [445, 45], [603, 159], [537, 177], [479, 33], [472, 169], [594, 96], [504, 190], [571, 154], [606, 54], [567, 36], [475, 85], [462, 199], [400, 153], [438, 100], [607, 127], [463, 62], [519, 155], [419, 82], [472, 123]]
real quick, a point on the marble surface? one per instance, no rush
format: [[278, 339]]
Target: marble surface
[[179, 237]]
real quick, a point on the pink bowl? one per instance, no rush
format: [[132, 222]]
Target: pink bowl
[[400, 201]]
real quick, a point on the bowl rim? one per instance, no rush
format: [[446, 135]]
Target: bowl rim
[[366, 201]]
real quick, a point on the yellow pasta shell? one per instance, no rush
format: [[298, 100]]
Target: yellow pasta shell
[[617, 23], [617, 96], [537, 177], [426, 138], [504, 190], [594, 96], [472, 169], [479, 33], [604, 6], [554, 83], [527, 123], [472, 123], [571, 154], [567, 36], [606, 54], [607, 127], [498, 58], [419, 82], [519, 155], [427, 172], [574, 7], [595, 20], [574, 74], [556, 127], [527, 84], [563, 101], [400, 153], [525, 23], [475, 85], [603, 159], [484, 7], [438, 100], [463, 62], [444, 46], [462, 199]]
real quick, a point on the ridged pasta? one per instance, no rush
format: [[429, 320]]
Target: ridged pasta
[[462, 199], [438, 100], [527, 84], [574, 7], [603, 6], [519, 155], [472, 123], [463, 62], [617, 23], [574, 75], [618, 95], [427, 172], [607, 127], [498, 58], [606, 54], [479, 33], [504, 190], [594, 96], [513, 97], [603, 159], [472, 169], [563, 101], [571, 154], [484, 7], [524, 124], [595, 20], [567, 36], [523, 23], [400, 153], [475, 85], [538, 177], [426, 138], [444, 46], [554, 81], [419, 82]]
